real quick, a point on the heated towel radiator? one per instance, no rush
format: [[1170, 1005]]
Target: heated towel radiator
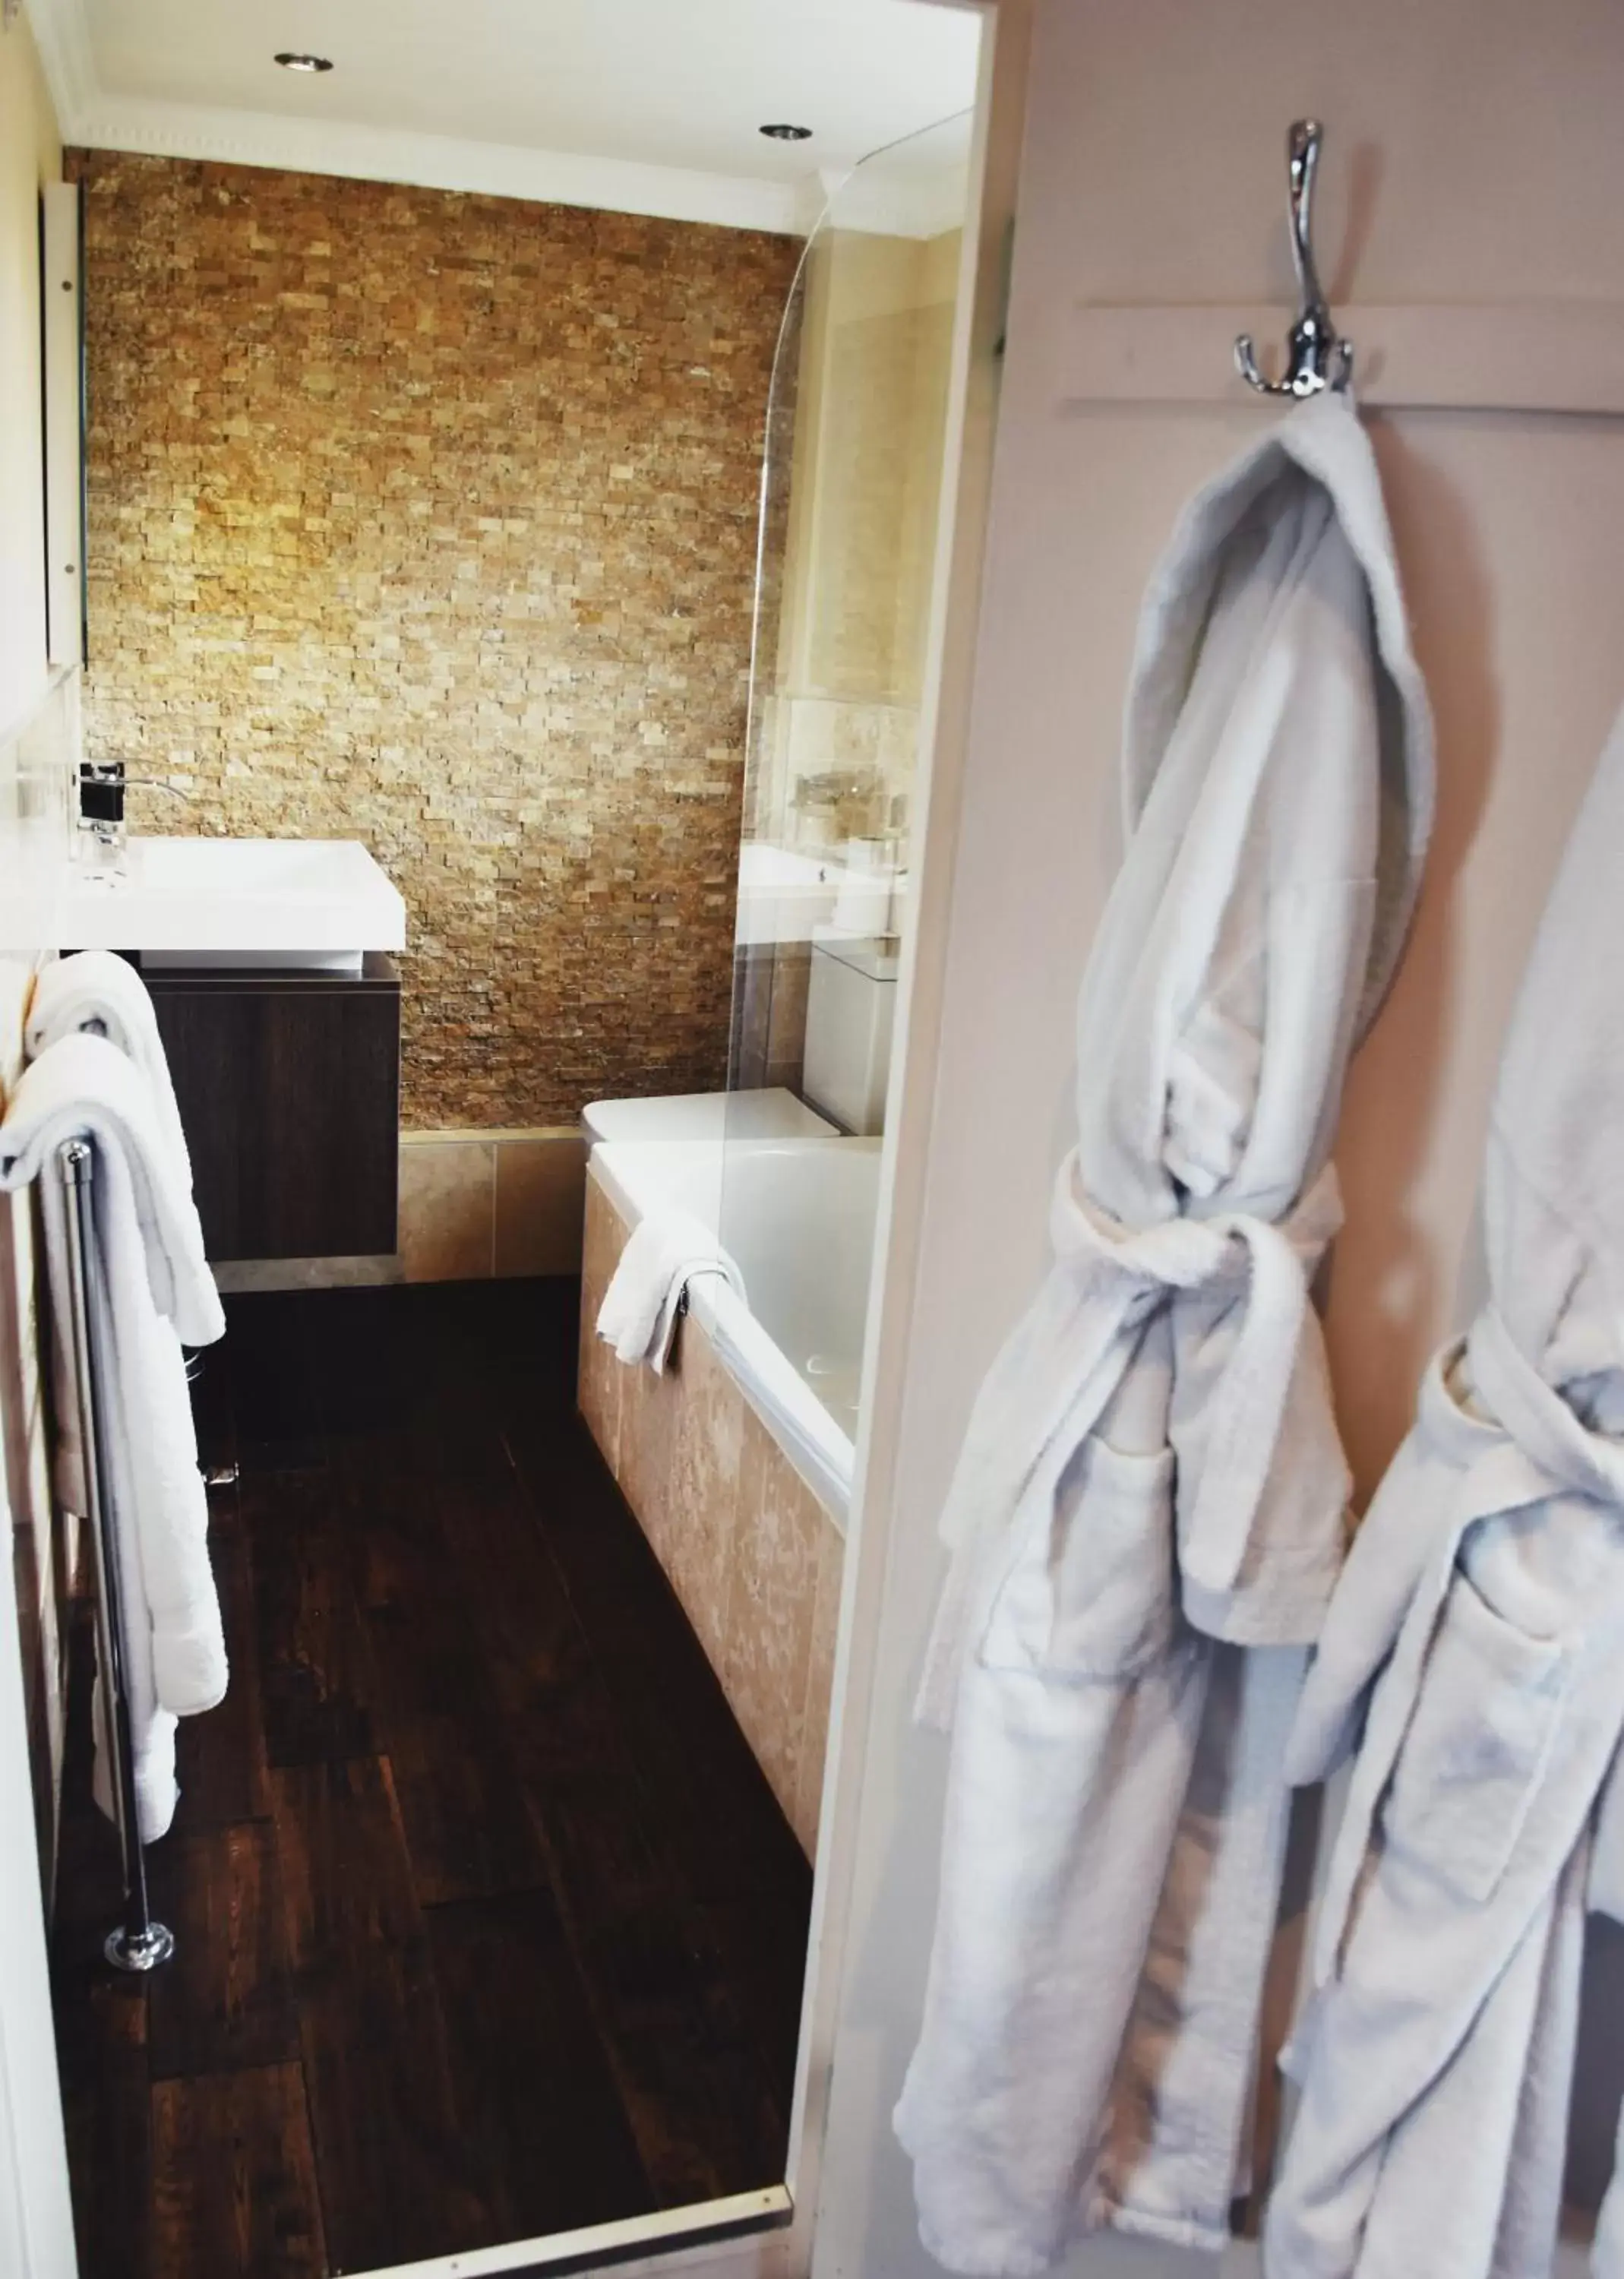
[[139, 1942]]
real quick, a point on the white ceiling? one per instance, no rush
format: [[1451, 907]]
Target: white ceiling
[[645, 105]]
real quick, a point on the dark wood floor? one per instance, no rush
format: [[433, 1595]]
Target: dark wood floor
[[488, 1924]]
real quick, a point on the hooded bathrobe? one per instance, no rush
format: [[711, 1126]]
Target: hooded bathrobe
[[1478, 1636], [1148, 1516]]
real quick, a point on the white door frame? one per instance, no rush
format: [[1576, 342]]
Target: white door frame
[[36, 2214], [954, 603]]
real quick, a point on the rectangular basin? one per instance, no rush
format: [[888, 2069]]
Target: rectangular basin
[[318, 904], [784, 894]]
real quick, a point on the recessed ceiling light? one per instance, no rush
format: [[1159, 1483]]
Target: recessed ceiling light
[[782, 134], [304, 63]]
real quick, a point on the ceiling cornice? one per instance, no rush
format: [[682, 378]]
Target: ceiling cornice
[[92, 119], [436, 162], [62, 35]]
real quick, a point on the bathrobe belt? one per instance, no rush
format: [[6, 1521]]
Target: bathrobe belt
[[1107, 1280], [1520, 1443], [1265, 1267]]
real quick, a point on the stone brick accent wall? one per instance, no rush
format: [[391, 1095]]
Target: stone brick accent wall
[[430, 519]]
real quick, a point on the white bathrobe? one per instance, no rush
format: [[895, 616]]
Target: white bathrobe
[[1478, 1635], [1149, 1513], [155, 1292]]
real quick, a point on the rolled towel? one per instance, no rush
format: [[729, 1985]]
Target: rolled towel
[[153, 1290], [86, 1084], [97, 992], [664, 1253]]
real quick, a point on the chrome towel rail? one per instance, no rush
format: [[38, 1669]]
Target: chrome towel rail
[[139, 1944]]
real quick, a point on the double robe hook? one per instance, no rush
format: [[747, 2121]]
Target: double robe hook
[[1316, 356]]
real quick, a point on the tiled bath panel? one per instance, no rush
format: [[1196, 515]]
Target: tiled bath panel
[[752, 1554], [430, 518]]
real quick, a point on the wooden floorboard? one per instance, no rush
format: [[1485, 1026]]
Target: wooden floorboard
[[614, 1582], [315, 1672], [346, 1878], [397, 2179], [424, 1652], [540, 1659], [532, 2088], [468, 1833], [488, 1922], [225, 2002], [714, 1804], [437, 1713], [758, 1946], [705, 2119], [714, 1808], [220, 1758], [277, 1381], [234, 2178], [106, 2106]]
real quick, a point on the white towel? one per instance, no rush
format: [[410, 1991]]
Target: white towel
[[102, 994], [154, 1291], [96, 993], [665, 1252]]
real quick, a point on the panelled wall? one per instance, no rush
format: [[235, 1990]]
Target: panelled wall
[[430, 519], [1472, 155], [30, 155], [36, 2231]]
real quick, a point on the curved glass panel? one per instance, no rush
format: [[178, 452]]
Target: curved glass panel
[[851, 497]]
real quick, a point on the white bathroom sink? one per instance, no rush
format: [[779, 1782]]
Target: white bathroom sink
[[785, 895], [314, 903]]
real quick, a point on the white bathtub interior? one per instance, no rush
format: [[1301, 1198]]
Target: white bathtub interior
[[798, 1217]]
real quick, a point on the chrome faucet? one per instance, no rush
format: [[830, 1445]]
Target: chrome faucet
[[103, 839]]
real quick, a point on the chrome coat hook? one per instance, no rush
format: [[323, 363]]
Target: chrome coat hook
[[1316, 356]]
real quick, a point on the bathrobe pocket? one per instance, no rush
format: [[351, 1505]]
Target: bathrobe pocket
[[1478, 1739], [1091, 1589]]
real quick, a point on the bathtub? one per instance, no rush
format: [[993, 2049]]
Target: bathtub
[[796, 1216], [737, 1461], [770, 1112]]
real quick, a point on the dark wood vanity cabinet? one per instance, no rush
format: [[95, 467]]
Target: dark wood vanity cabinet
[[288, 1084]]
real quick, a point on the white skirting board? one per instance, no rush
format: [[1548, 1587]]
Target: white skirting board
[[754, 2252], [1558, 357]]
